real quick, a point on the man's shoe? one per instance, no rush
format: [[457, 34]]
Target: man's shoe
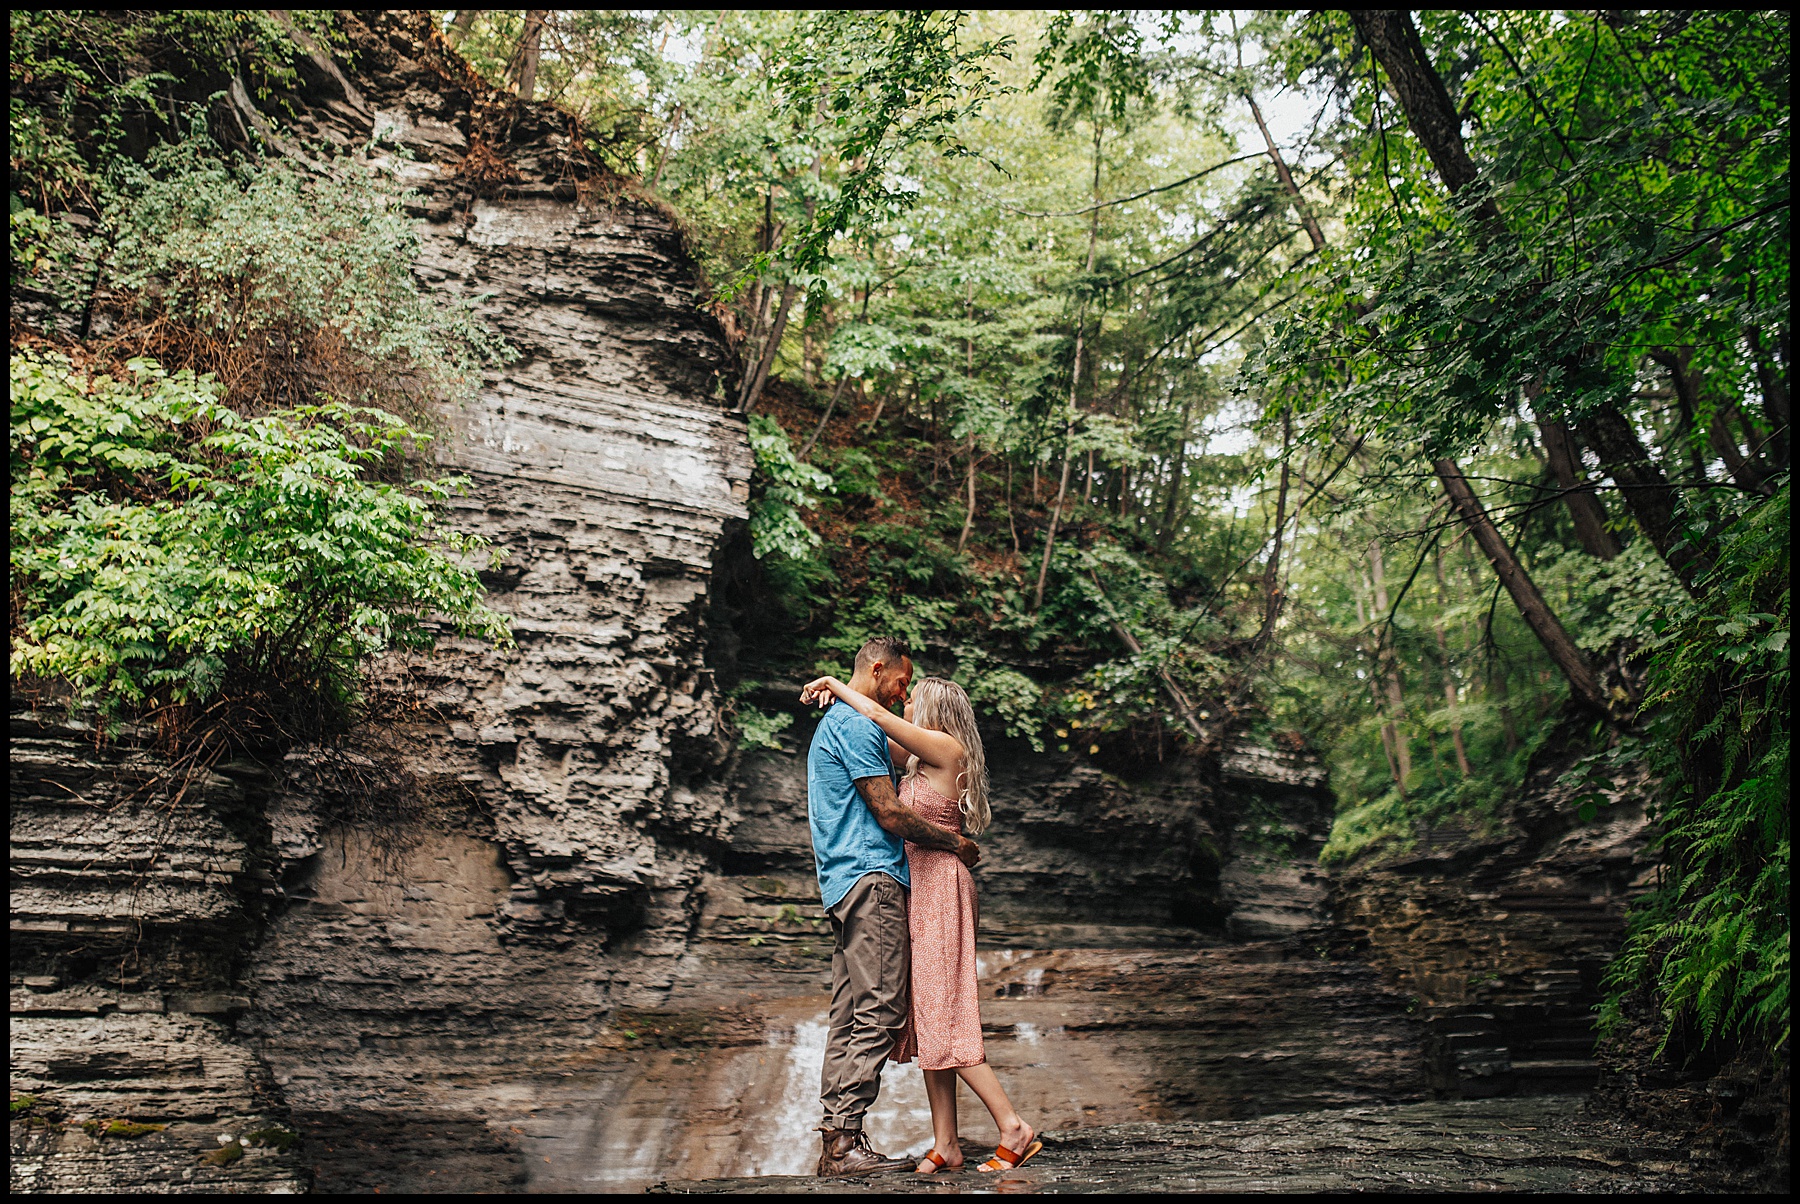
[[847, 1152]]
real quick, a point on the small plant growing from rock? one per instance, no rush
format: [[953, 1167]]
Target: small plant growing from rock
[[226, 1154], [273, 1138]]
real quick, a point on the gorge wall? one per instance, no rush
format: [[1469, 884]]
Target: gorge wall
[[573, 787], [1501, 936]]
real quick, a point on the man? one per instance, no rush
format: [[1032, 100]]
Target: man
[[859, 830]]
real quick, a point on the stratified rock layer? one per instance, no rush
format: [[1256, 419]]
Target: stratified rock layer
[[574, 785], [1502, 937], [1228, 847]]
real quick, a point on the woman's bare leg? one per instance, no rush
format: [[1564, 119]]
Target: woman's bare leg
[[940, 1089], [1015, 1134]]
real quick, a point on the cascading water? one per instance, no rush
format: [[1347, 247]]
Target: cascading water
[[781, 1140]]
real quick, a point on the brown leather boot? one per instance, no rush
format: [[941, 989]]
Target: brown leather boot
[[847, 1152]]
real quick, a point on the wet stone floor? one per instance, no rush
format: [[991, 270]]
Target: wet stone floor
[[1530, 1144], [1082, 1038], [1149, 1063]]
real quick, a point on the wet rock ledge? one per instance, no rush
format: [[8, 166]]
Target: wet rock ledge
[[1538, 1144]]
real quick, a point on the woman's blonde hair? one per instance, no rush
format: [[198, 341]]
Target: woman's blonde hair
[[941, 705]]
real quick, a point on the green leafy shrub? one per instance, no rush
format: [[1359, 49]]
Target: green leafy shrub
[[786, 486], [83, 77], [1711, 943], [283, 284], [164, 547], [759, 729]]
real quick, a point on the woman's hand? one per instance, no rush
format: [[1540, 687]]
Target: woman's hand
[[822, 690]]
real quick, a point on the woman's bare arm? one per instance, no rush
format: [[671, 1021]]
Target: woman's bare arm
[[940, 750]]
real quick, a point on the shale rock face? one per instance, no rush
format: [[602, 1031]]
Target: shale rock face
[[574, 785], [1228, 848], [134, 904], [1502, 938], [587, 762]]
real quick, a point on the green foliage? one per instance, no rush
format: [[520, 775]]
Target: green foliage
[[787, 486], [759, 729], [1712, 941], [164, 546], [86, 83], [281, 282], [1387, 822], [1609, 603], [875, 85]]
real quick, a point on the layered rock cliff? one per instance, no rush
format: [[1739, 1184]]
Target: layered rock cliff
[[1502, 936], [195, 955]]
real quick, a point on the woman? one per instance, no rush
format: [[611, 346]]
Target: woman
[[946, 783]]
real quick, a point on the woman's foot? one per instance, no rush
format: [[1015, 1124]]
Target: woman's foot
[[1016, 1137], [936, 1160]]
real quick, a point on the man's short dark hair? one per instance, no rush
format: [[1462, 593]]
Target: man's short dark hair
[[887, 649]]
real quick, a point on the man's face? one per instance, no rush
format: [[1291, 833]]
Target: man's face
[[891, 682]]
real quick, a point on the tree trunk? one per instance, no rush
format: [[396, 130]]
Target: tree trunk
[[836, 392], [1647, 491], [1011, 526], [1171, 504], [1375, 692], [1389, 665], [525, 58], [1443, 643], [1774, 397], [1062, 490], [968, 518], [1074, 384], [1287, 179], [767, 360], [459, 28], [1494, 674], [1584, 685], [1395, 43], [1718, 431], [1272, 598], [1583, 504]]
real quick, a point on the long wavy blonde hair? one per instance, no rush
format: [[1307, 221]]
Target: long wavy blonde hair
[[941, 705]]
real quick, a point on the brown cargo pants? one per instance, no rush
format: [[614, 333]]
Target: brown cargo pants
[[871, 967]]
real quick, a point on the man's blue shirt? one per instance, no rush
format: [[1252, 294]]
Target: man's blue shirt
[[847, 842]]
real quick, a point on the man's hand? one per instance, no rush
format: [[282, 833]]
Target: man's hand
[[896, 817]]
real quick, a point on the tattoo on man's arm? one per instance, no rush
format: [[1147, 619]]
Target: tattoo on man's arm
[[894, 816]]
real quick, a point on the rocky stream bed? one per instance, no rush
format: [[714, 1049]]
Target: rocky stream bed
[[1531, 1144]]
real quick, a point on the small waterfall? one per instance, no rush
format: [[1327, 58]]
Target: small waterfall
[[780, 1140]]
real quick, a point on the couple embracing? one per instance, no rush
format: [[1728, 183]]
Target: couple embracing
[[889, 800]]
